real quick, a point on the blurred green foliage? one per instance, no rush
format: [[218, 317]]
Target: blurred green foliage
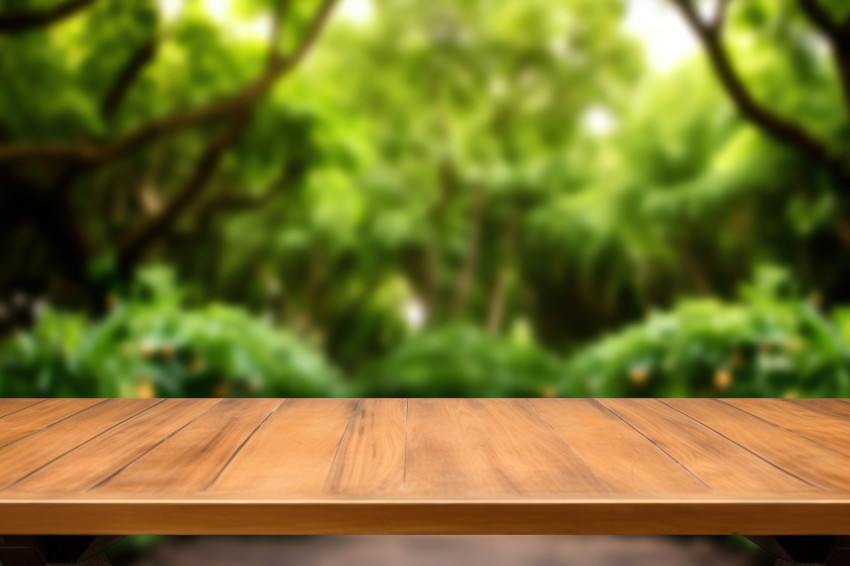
[[478, 197], [150, 345], [463, 361], [771, 344]]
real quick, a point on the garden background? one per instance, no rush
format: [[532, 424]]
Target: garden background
[[442, 198]]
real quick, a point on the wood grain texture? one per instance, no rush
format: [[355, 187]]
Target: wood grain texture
[[630, 462], [9, 406], [292, 453], [371, 458], [94, 462], [473, 448], [313, 466], [788, 452], [193, 454], [725, 466], [31, 453], [32, 418], [817, 419]]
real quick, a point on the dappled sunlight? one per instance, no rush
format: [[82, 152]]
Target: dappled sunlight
[[665, 36]]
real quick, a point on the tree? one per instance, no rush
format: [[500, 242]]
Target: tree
[[514, 168], [470, 109], [832, 23], [46, 181], [25, 20]]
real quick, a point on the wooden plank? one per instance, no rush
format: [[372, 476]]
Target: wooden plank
[[616, 452], [39, 449], [186, 462], [292, 453], [97, 460], [39, 416], [826, 421], [371, 459], [311, 517], [489, 448], [785, 450], [8, 406], [320, 466], [720, 463], [832, 407]]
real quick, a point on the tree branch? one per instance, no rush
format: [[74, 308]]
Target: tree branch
[[142, 237], [232, 203], [290, 173], [99, 153], [90, 153], [21, 22], [52, 210], [785, 131], [109, 106], [280, 15], [838, 36], [819, 17], [127, 76], [313, 31]]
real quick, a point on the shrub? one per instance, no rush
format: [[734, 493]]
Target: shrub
[[770, 344], [462, 361], [151, 345]]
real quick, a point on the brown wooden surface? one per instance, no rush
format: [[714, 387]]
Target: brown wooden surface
[[297, 466]]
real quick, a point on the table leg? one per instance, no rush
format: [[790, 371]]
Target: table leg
[[55, 550], [804, 550]]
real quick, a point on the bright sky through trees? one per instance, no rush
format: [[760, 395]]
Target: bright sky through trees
[[665, 36]]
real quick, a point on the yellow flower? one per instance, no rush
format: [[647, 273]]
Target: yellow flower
[[220, 390], [145, 388], [639, 376], [723, 378], [549, 392]]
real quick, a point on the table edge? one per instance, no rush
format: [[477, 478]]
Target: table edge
[[241, 517]]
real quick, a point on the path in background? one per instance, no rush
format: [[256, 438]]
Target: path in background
[[447, 551]]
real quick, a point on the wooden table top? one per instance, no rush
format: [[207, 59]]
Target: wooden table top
[[322, 466]]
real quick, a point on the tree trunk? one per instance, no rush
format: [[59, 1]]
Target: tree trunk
[[501, 286], [466, 278]]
